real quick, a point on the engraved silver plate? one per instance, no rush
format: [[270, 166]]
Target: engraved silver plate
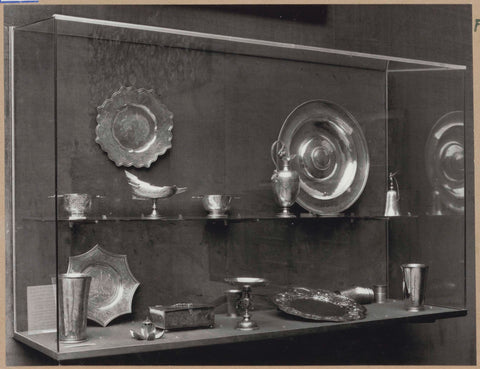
[[331, 156], [112, 287], [134, 127], [319, 305], [444, 158]]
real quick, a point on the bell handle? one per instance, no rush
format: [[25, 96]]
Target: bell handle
[[394, 179]]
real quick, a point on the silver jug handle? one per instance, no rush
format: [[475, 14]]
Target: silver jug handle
[[277, 147]]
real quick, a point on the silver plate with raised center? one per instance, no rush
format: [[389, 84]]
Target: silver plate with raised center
[[332, 156]]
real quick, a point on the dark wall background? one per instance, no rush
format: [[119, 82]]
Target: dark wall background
[[201, 253]]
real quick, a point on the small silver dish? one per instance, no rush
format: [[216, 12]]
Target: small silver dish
[[217, 205], [148, 331], [77, 205]]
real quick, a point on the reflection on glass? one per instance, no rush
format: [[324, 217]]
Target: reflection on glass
[[444, 158]]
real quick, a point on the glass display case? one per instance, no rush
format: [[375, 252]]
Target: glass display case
[[122, 131]]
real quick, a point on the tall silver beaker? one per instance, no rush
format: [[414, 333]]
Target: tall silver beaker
[[73, 290], [414, 281]]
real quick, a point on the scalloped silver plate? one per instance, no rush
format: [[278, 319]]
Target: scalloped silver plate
[[113, 284], [319, 304], [134, 127]]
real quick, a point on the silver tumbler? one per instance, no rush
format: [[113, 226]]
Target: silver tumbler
[[233, 296], [73, 292], [414, 280], [380, 293]]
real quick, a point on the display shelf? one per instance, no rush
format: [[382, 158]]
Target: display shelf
[[115, 339]]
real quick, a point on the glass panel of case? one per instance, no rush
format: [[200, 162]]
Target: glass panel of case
[[426, 150], [34, 178]]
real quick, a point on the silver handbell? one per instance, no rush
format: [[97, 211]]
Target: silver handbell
[[391, 204]]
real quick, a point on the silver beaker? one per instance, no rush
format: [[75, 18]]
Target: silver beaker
[[414, 281], [73, 292], [232, 301], [380, 293]]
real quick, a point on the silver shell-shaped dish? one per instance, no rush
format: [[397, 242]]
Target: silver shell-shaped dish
[[444, 159], [113, 284], [134, 127], [319, 305], [331, 156]]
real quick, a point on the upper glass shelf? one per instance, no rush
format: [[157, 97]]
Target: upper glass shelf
[[235, 218], [64, 25]]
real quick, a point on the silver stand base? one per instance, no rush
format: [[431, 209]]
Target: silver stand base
[[246, 325], [285, 213]]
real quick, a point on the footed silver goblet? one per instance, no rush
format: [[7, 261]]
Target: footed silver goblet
[[245, 303]]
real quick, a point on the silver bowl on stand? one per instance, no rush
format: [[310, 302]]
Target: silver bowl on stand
[[217, 205]]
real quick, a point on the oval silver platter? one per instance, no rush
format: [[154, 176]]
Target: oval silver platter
[[317, 304], [332, 157], [444, 159], [134, 127], [113, 284]]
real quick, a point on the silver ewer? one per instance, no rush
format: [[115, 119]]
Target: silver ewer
[[285, 181], [73, 293]]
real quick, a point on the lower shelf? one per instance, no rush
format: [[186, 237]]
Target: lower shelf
[[115, 340]]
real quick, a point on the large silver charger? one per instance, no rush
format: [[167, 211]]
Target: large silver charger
[[332, 157], [444, 159]]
